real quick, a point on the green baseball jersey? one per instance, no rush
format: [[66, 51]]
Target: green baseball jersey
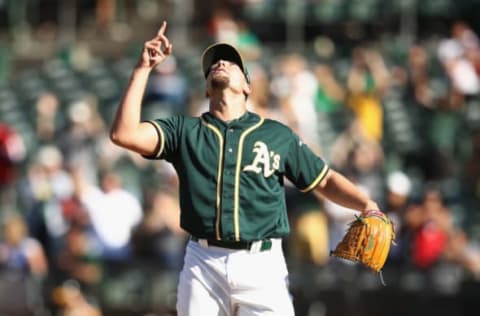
[[231, 174]]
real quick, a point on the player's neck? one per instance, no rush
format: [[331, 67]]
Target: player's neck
[[228, 106]]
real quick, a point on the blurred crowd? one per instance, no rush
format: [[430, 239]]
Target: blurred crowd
[[76, 211]]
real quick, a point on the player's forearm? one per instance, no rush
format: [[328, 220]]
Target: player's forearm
[[127, 118], [342, 191]]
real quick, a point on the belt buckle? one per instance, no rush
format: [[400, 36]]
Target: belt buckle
[[256, 246], [203, 242]]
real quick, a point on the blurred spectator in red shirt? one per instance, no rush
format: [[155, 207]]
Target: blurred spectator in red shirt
[[435, 236], [12, 152]]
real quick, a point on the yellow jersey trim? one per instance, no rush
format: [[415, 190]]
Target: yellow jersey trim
[[237, 178], [219, 177], [318, 179], [161, 140]]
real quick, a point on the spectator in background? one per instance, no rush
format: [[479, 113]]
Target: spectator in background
[[48, 119], [330, 94], [247, 42], [470, 42], [18, 252], [433, 114], [80, 259], [459, 69], [418, 75], [360, 158], [51, 159], [106, 12], [159, 236], [113, 211], [398, 187], [260, 100], [12, 154], [225, 27], [72, 302], [435, 237], [397, 197], [222, 26], [167, 85], [431, 224], [80, 254], [368, 82], [23, 266], [295, 86], [45, 186], [309, 241], [78, 140]]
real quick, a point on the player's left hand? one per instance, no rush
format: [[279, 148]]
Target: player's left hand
[[367, 240], [371, 206]]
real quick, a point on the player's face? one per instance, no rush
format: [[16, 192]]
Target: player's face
[[226, 74]]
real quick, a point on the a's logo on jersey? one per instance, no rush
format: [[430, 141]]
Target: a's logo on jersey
[[269, 160]]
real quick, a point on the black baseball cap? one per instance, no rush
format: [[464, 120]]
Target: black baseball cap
[[224, 51]]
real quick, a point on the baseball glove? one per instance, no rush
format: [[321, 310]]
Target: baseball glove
[[367, 240]]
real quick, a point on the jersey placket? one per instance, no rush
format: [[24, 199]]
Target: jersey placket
[[231, 138]]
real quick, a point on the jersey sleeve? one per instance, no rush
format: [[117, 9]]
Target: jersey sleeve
[[169, 131], [303, 167]]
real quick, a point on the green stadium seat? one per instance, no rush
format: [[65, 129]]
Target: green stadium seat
[[328, 11], [105, 88], [12, 116], [397, 6], [122, 69], [28, 135], [56, 69], [472, 114], [7, 93], [30, 86], [164, 290], [261, 10], [107, 109], [10, 107], [363, 10], [399, 133], [101, 80], [444, 130], [435, 8], [326, 132], [125, 290], [5, 62]]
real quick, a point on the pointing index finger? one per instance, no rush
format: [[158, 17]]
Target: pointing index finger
[[162, 29]]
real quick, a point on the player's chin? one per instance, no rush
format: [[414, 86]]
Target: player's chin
[[220, 81]]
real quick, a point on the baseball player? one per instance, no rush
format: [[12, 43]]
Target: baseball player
[[231, 165]]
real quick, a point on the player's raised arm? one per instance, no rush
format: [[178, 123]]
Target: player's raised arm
[[342, 191], [127, 130]]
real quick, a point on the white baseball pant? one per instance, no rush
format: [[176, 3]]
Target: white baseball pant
[[223, 282]]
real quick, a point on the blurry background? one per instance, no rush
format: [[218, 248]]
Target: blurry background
[[387, 92]]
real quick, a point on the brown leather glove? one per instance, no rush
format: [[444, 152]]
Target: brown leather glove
[[367, 240]]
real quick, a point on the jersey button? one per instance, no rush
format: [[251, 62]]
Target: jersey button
[[230, 150], [231, 130]]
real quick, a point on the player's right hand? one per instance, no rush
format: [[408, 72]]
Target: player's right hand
[[156, 50]]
